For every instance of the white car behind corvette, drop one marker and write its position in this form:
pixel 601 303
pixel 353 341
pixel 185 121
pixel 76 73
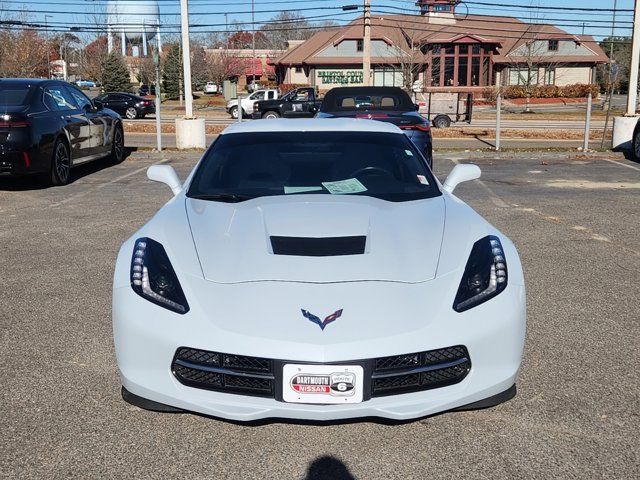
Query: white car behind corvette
pixel 316 269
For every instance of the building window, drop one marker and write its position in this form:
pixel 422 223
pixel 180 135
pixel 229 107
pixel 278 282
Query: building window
pixel 553 45
pixel 550 76
pixel 461 65
pixel 523 76
pixel 359 45
pixel 441 8
pixel 298 69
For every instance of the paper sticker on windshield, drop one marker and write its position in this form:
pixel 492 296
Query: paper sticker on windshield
pixel 423 180
pixel 300 189
pixel 351 185
pixel 409 152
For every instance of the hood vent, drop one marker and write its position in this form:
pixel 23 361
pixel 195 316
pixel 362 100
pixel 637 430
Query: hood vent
pixel 318 247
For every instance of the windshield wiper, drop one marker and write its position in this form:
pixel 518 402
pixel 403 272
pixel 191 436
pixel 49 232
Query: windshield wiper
pixel 223 197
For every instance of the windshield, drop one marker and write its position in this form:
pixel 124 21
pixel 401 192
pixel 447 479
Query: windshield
pixel 366 98
pixel 247 165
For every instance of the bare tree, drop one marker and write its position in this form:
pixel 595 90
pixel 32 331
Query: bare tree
pixel 222 65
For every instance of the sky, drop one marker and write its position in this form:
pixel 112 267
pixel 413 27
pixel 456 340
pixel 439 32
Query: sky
pixel 63 14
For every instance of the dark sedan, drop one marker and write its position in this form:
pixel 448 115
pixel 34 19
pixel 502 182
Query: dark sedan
pixel 387 104
pixel 49 126
pixel 127 104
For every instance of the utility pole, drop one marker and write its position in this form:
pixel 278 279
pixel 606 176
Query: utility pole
pixel 632 96
pixel 366 45
pixel 46 29
pixel 253 47
pixel 611 76
pixel 186 58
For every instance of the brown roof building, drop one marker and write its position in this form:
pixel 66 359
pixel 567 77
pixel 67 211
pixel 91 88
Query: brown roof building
pixel 439 50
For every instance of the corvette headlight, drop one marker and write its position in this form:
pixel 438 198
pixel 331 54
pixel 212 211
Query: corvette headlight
pixel 485 275
pixel 153 277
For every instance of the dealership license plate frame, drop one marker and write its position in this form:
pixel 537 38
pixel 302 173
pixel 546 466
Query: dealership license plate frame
pixel 318 393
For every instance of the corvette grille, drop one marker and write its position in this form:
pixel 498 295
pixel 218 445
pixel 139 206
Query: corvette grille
pixel 419 371
pixel 224 372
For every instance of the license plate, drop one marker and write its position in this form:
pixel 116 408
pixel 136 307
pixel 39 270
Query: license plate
pixel 329 384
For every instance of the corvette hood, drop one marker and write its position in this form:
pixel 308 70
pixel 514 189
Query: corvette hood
pixel 294 239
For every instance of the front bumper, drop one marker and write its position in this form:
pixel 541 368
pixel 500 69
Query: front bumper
pixel 147 337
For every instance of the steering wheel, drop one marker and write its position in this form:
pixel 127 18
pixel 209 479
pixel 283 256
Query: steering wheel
pixel 370 171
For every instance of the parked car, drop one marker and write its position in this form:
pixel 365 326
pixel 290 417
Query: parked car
pixel 49 126
pixel 211 87
pixel 298 103
pixel 331 276
pixel 635 142
pixel 247 102
pixel 85 83
pixel 145 90
pixel 127 104
pixel 385 104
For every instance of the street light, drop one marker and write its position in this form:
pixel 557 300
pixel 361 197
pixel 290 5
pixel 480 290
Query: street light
pixel 347 8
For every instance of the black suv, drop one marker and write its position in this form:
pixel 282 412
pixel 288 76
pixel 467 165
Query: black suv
pixel 127 104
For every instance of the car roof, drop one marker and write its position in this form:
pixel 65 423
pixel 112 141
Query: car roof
pixel 26 81
pixel 311 125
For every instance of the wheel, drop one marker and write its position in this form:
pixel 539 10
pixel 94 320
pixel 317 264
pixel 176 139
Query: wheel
pixel 442 121
pixel 117 146
pixel 131 113
pixel 234 112
pixel 60 164
pixel 636 142
pixel 271 115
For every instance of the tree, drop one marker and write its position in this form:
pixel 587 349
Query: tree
pixel 619 50
pixel 93 59
pixel 242 39
pixel 23 53
pixel 115 74
pixel 172 72
pixel 286 26
pixel 199 66
pixel 145 70
pixel 222 65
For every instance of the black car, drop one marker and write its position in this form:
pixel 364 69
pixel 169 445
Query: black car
pixel 49 126
pixel 386 104
pixel 127 104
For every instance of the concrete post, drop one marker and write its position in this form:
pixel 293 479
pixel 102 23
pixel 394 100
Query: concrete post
pixel 587 125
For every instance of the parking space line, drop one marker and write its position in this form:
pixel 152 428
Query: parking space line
pixel 621 164
pixel 102 185
pixel 497 201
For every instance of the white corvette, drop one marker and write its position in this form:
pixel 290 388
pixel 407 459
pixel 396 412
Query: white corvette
pixel 316 269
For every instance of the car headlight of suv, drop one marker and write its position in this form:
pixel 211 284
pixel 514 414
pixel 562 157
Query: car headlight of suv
pixel 153 277
pixel 485 274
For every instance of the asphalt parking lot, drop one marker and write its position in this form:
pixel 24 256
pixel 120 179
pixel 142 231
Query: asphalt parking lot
pixel 574 218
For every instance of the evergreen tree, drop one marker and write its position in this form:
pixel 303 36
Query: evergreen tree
pixel 115 74
pixel 172 73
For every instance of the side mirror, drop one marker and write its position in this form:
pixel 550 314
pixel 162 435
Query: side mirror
pixel 461 173
pixel 167 175
pixel 97 104
pixel 416 106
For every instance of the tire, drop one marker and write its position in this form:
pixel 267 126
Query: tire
pixel 117 146
pixel 635 143
pixel 60 164
pixel 234 112
pixel 131 113
pixel 442 121
pixel 270 115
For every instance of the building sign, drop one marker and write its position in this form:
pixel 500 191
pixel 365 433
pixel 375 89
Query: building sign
pixel 340 77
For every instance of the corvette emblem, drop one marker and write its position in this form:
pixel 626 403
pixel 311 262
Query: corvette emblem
pixel 322 323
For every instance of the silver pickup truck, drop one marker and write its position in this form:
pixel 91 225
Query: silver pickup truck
pixel 247 102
